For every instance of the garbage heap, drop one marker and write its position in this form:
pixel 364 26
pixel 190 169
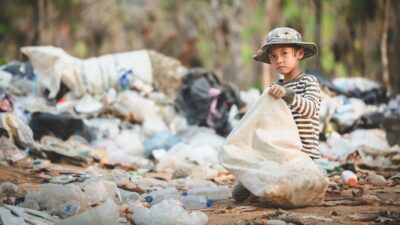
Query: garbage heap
pixel 120 138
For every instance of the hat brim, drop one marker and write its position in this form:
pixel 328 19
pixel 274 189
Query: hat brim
pixel 310 49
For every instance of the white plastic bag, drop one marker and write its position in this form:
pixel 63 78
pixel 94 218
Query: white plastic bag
pixel 264 153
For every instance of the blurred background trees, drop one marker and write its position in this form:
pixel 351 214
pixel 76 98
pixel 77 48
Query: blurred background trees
pixel 355 37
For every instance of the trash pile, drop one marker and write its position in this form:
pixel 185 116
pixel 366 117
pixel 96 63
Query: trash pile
pixel 133 138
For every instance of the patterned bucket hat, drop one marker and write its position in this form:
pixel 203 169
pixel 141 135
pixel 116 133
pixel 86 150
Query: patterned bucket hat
pixel 284 35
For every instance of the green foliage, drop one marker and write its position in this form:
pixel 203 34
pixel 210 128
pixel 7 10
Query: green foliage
pixel 291 11
pixel 247 48
pixel 328 26
pixel 204 49
pixel 2 61
pixel 258 84
pixel 327 60
pixel 340 70
pixel 80 49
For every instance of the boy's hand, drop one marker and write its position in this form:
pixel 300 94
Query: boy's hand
pixel 277 91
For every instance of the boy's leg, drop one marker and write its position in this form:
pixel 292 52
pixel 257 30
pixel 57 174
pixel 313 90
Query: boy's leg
pixel 241 194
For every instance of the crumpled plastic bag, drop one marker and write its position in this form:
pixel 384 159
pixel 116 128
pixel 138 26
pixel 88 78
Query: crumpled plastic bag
pixel 264 153
pixel 167 212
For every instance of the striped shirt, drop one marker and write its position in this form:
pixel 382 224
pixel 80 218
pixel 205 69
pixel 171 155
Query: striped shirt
pixel 303 98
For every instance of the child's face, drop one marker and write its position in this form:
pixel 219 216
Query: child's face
pixel 285 60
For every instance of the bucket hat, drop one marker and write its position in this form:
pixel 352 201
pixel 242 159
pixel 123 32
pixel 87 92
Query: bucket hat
pixel 284 35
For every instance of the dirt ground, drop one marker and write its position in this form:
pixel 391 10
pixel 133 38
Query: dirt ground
pixel 360 204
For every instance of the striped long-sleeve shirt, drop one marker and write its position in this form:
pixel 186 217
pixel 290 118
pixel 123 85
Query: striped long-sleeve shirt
pixel 303 98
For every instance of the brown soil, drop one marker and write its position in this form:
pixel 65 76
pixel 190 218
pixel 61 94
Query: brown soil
pixel 361 204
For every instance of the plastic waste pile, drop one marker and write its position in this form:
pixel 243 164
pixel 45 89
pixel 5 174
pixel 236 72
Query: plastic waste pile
pixel 120 138
pixel 117 110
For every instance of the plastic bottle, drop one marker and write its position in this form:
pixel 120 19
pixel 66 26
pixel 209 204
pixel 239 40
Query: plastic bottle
pixel 69 208
pixel 120 176
pixel 152 196
pixel 161 198
pixel 129 197
pixel 196 202
pixel 212 193
pixel 349 177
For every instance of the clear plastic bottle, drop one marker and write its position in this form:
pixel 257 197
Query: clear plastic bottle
pixel 152 196
pixel 212 193
pixel 129 197
pixel 161 198
pixel 349 177
pixel 120 176
pixel 68 209
pixel 195 202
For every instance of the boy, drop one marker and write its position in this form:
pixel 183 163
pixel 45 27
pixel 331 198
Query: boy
pixel 284 49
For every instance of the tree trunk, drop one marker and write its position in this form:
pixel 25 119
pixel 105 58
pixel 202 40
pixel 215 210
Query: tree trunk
pixel 317 34
pixel 394 46
pixel 235 67
pixel 272 18
pixel 384 46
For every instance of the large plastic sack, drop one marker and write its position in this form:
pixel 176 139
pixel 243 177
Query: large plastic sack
pixel 264 153
pixel 167 212
pixel 94 75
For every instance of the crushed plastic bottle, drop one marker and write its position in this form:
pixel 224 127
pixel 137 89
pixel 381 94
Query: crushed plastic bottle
pixel 169 212
pixel 349 177
pixel 152 196
pixel 8 189
pixel 161 198
pixel 129 197
pixel 195 202
pixel 68 209
pixel 212 193
pixel 120 176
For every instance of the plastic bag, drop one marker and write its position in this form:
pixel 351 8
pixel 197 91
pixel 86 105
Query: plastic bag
pixel 264 153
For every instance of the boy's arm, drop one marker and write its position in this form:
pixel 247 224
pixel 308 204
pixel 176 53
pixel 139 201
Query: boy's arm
pixel 308 105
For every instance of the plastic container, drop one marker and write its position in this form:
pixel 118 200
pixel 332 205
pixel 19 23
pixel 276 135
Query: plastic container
pixel 154 195
pixel 167 212
pixel 349 177
pixel 129 197
pixel 195 202
pixel 161 198
pixel 212 193
pixel 120 176
pixel 68 209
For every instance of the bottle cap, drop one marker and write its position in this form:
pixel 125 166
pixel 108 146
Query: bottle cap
pixel 352 181
pixel 209 203
pixel 149 199
pixel 185 193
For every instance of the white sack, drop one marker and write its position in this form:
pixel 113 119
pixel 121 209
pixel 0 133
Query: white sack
pixel 264 153
pixel 94 75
